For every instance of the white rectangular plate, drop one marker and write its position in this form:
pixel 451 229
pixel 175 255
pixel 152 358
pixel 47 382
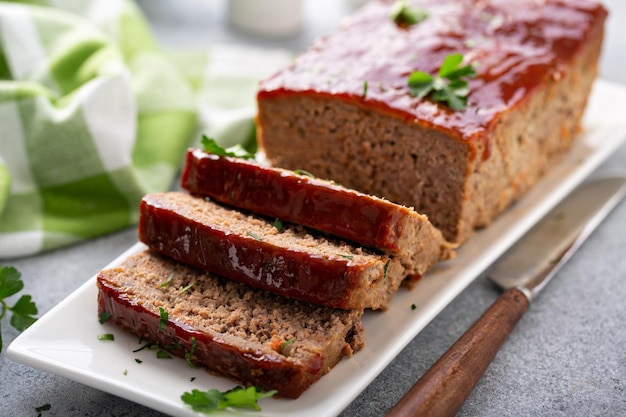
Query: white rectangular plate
pixel 65 342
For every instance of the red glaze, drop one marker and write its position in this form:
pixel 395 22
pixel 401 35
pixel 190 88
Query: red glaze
pixel 517 44
pixel 294 198
pixel 250 367
pixel 292 273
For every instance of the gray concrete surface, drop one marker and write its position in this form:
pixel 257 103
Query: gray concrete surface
pixel 567 356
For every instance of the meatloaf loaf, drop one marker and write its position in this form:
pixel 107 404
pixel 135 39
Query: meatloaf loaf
pixel 343 110
pixel 296 197
pixel 288 260
pixel 252 336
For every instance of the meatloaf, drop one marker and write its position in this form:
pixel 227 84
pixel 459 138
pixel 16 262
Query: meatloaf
pixel 288 260
pixel 343 110
pixel 296 197
pixel 252 336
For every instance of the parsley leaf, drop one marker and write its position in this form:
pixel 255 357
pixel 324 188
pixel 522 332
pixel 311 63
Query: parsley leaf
pixel 285 344
pixel 167 281
pixel 106 336
pixel 304 173
pixel 24 310
pixel 403 14
pixel 448 86
pixel 278 224
pixel 254 235
pixel 44 407
pixel 103 317
pixel 189 354
pixel 186 287
pixel 237 151
pixel 162 319
pixel 213 400
pixel 161 354
pixel 10 282
pixel 23 313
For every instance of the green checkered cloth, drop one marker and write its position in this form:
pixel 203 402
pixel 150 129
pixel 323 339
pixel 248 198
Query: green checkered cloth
pixel 93 115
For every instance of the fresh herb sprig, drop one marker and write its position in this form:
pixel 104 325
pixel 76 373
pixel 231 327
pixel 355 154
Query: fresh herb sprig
pixel 24 310
pixel 448 86
pixel 213 400
pixel 403 14
pixel 237 151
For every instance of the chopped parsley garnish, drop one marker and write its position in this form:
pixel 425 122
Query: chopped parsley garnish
pixel 213 400
pixel 161 354
pixel 386 268
pixel 285 344
pixel 254 235
pixel 163 319
pixel 345 256
pixel 125 372
pixel 186 287
pixel 103 317
pixel 237 151
pixel 147 345
pixel 278 224
pixel 365 86
pixel 448 86
pixel 45 407
pixel 106 336
pixel 413 306
pixel 24 310
pixel 167 281
pixel 303 172
pixel 403 14
pixel 193 378
pixel 138 360
pixel 188 354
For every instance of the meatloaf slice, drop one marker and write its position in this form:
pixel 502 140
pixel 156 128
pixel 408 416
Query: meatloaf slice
pixel 343 110
pixel 318 204
pixel 252 336
pixel 287 260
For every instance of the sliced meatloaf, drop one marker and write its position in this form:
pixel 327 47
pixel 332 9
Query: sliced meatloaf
pixel 252 336
pixel 288 259
pixel 343 110
pixel 296 197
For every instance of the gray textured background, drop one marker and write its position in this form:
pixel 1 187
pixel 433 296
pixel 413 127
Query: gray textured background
pixel 567 356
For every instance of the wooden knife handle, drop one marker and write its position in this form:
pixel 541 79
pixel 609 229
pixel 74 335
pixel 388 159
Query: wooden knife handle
pixel 443 389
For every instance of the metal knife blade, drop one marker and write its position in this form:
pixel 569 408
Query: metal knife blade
pixel 523 271
pixel 539 254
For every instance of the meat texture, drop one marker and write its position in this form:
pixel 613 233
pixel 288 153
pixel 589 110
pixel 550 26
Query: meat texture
pixel 252 336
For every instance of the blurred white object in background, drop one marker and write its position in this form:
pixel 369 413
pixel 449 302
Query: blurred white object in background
pixel 267 18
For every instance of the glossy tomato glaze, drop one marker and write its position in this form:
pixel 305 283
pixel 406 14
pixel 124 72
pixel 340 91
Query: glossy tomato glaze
pixel 265 371
pixel 292 273
pixel 516 44
pixel 295 198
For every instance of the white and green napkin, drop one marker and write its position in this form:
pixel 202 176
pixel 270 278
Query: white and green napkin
pixel 93 115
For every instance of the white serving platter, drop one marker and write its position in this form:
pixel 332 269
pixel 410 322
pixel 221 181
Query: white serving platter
pixel 64 341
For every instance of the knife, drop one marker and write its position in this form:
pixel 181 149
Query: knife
pixel 522 273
